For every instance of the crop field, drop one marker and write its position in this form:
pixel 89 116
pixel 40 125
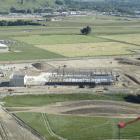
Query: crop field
pixel 78 45
pixel 58 39
pixel 89 49
pixel 128 38
pixel 110 36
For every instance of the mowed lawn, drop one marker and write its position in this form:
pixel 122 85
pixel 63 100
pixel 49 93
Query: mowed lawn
pixel 89 49
pixel 78 128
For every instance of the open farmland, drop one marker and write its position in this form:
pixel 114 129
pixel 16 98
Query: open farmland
pixel 22 51
pixel 78 45
pixel 62 37
pixel 110 36
pixel 58 39
pixel 89 49
pixel 127 38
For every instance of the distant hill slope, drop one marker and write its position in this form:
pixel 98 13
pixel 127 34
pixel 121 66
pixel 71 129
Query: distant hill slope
pixel 5 5
pixel 123 6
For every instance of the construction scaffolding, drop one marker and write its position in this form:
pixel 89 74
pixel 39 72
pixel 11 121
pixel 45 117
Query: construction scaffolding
pixel 81 77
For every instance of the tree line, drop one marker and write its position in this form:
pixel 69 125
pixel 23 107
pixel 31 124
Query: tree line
pixel 18 23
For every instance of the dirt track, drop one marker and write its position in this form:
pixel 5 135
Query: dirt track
pixel 87 108
pixel 11 130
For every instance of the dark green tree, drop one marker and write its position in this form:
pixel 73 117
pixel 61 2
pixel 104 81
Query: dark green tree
pixel 86 30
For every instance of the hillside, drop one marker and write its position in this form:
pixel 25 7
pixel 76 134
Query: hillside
pixel 6 5
pixel 38 6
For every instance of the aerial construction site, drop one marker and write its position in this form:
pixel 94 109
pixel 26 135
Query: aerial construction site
pixel 106 74
pixel 100 77
pixel 59 84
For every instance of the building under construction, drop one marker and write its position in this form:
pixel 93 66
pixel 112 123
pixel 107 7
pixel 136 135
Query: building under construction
pixel 81 77
pixel 65 77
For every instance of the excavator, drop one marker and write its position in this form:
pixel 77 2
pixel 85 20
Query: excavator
pixel 122 125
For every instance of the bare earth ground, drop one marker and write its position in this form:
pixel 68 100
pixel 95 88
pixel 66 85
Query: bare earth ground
pixel 87 63
pixel 86 108
pixel 125 83
pixel 11 130
pixel 106 64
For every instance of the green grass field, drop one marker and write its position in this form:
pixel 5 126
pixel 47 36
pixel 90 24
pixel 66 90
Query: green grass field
pixel 78 45
pixel 22 51
pixel 110 36
pixel 79 128
pixel 41 100
pixel 69 126
pixel 58 39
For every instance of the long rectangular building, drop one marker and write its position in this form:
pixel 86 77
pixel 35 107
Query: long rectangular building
pixel 81 78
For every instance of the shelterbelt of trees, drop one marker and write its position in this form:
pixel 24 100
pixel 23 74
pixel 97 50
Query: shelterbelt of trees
pixel 18 23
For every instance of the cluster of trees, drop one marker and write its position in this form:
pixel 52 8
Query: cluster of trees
pixel 17 23
pixel 25 11
pixel 86 30
pixel 30 11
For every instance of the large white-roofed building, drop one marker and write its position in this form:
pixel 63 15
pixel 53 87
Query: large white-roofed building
pixel 3 48
pixel 39 80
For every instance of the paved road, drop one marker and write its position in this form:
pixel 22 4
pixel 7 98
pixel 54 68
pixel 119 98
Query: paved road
pixel 11 130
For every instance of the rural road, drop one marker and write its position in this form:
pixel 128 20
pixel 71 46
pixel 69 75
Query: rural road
pixel 66 59
pixel 11 130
